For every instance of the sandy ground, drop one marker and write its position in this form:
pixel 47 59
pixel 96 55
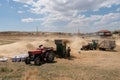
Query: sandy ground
pixel 84 65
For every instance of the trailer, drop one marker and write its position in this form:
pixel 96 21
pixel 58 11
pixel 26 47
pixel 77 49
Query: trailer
pixel 107 45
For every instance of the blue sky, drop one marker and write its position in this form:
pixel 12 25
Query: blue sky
pixel 59 15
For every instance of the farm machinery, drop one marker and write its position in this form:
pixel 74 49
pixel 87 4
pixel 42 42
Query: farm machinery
pixel 47 54
pixel 90 46
pixel 61 48
pixel 40 56
pixel 107 45
pixel 101 45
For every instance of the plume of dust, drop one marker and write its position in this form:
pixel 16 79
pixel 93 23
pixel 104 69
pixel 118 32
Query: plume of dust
pixel 118 42
pixel 76 43
pixel 31 75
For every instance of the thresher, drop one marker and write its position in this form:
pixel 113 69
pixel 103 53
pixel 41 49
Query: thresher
pixel 61 47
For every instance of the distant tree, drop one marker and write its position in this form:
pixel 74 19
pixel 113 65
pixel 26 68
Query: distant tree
pixel 115 32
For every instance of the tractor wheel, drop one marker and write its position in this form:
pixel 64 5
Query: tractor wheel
pixel 81 48
pixel 37 61
pixel 103 49
pixel 91 48
pixel 95 48
pixel 27 60
pixel 112 48
pixel 50 56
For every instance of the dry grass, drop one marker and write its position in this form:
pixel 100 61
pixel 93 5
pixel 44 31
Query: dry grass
pixel 88 65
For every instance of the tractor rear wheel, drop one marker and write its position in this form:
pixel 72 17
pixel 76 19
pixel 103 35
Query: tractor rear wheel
pixel 37 61
pixel 27 60
pixel 50 56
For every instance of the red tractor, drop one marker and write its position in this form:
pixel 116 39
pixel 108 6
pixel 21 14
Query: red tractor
pixel 40 56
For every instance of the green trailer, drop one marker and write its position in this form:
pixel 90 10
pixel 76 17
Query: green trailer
pixel 61 48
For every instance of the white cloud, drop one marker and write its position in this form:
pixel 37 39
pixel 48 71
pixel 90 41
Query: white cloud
pixel 109 3
pixel 20 12
pixel 30 20
pixel 109 18
pixel 25 5
pixel 94 22
pixel 98 20
pixel 66 7
pixel 69 11
pixel 25 1
pixel 115 25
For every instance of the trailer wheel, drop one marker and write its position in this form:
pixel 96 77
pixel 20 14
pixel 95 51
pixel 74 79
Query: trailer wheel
pixel 111 48
pixel 37 61
pixel 95 48
pixel 103 49
pixel 27 60
pixel 50 56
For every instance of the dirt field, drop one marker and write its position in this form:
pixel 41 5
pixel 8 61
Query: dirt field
pixel 83 65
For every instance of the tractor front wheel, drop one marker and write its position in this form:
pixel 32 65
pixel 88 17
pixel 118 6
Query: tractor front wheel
pixel 27 60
